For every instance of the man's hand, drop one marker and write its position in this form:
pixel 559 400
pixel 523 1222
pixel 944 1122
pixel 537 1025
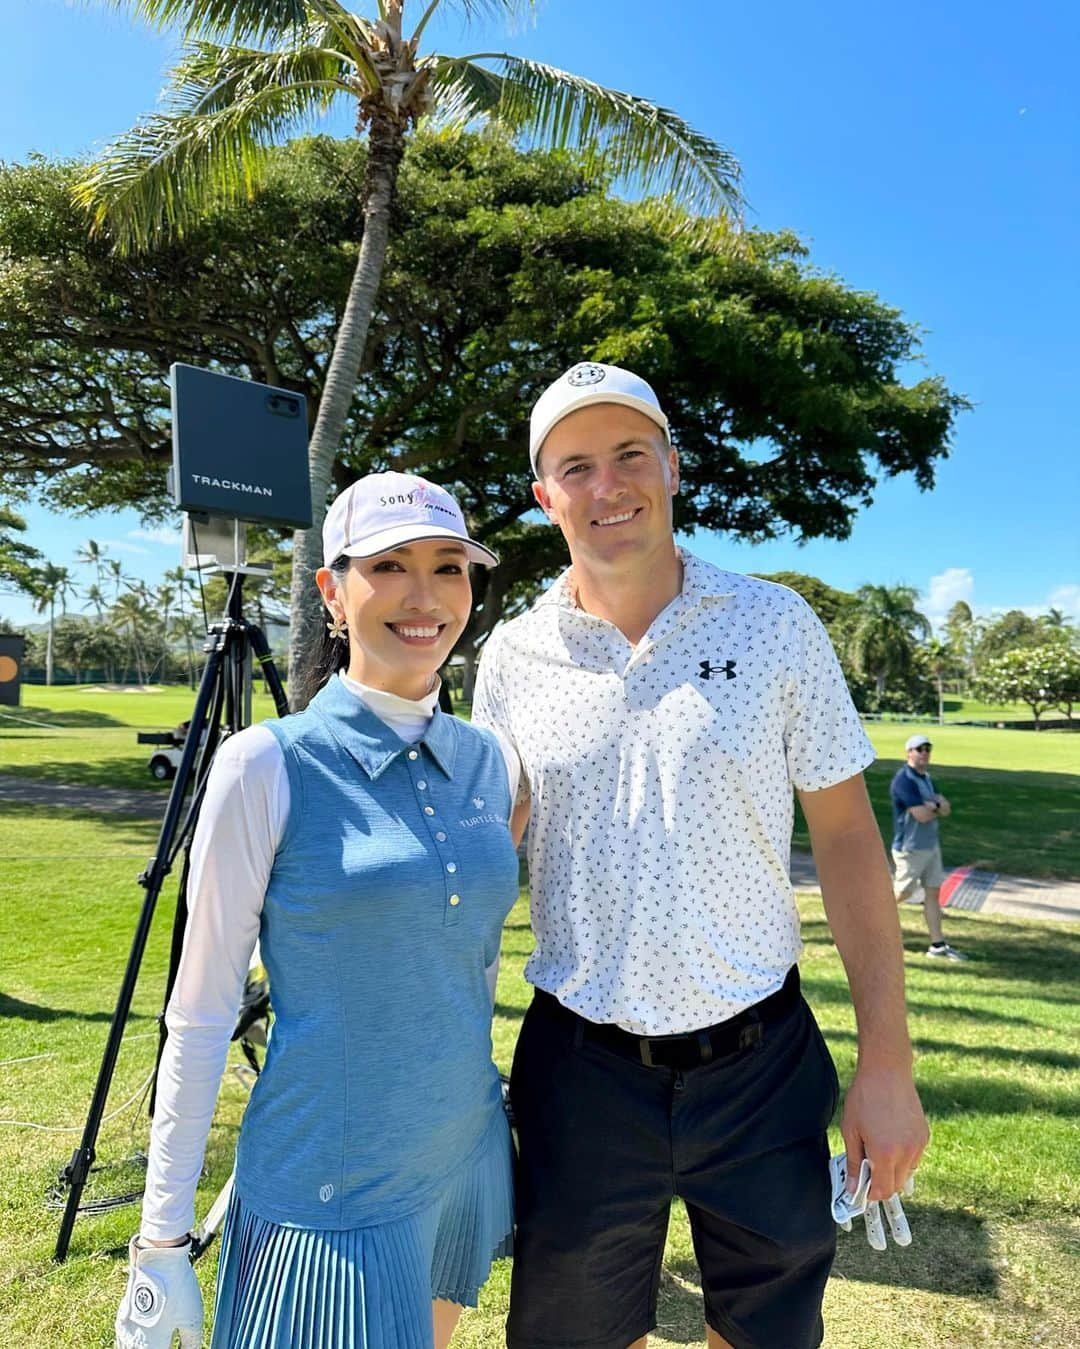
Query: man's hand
pixel 884 1124
pixel 162 1298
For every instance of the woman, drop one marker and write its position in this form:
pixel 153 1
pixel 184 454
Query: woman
pixel 363 841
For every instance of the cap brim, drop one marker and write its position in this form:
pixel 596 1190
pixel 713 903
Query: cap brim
pixel 403 534
pixel 588 400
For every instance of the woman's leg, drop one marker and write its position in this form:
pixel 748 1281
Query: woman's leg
pixel 445 1316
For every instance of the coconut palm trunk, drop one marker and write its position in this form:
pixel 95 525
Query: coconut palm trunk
pixel 386 145
pixel 229 99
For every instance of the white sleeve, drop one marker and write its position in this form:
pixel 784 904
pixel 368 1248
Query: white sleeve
pixel 513 763
pixel 488 710
pixel 241 823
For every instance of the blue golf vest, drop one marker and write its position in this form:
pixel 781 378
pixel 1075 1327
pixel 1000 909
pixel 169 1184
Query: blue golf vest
pixel 384 907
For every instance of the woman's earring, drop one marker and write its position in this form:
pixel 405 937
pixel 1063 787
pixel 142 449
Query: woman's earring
pixel 336 628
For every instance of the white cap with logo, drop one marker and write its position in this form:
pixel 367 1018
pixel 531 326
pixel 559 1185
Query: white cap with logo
pixel 585 383
pixel 386 510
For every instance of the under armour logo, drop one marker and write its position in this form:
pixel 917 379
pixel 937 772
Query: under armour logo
pixel 727 669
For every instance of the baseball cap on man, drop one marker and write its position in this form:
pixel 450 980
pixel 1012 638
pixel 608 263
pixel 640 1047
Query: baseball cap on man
pixel 386 510
pixel 916 741
pixel 585 383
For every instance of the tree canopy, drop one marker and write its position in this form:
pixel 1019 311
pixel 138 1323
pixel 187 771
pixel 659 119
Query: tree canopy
pixel 783 385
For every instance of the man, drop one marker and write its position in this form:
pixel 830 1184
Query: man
pixel 917 807
pixel 662 710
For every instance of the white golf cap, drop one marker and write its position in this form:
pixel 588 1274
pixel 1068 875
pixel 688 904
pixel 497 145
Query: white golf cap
pixel 916 741
pixel 386 510
pixel 585 383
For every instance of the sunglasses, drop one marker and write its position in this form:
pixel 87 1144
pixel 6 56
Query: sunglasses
pixel 919 749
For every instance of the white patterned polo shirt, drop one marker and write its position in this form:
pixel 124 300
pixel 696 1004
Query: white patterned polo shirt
pixel 661 778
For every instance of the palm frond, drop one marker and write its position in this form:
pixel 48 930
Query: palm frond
pixel 513 11
pixel 227 107
pixel 209 78
pixel 641 142
pixel 239 19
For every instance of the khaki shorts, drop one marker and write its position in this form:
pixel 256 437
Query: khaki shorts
pixel 921 866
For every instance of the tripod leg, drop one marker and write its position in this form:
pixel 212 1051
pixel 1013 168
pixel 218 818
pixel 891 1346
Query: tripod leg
pixel 261 647
pixel 75 1174
pixel 210 1225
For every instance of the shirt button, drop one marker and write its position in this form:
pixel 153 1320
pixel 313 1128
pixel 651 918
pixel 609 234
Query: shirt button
pixel 413 754
pixel 421 786
pixel 455 900
pixel 429 810
pixel 441 836
pixel 451 867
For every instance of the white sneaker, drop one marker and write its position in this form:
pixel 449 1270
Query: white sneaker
pixel 941 950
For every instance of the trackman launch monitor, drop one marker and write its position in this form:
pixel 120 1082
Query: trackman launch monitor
pixel 239 449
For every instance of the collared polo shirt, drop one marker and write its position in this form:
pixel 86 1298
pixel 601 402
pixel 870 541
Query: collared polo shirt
pixel 909 788
pixel 661 780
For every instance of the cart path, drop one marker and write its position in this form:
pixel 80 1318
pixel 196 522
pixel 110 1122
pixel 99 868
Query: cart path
pixel 984 892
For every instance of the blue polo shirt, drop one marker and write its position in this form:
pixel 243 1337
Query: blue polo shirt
pixel 383 909
pixel 912 788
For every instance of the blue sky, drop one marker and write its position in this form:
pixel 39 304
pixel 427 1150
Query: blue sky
pixel 930 154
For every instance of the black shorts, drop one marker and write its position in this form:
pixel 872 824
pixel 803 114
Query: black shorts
pixel 606 1142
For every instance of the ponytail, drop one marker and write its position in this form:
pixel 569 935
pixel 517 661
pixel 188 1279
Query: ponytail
pixel 330 655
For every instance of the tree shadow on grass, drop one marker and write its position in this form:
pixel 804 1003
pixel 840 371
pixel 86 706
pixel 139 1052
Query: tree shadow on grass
pixel 34 1011
pixel 74 717
pixel 1040 1058
pixel 680 1309
pixel 950 1254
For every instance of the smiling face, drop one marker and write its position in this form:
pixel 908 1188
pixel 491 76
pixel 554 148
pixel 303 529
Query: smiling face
pixel 607 476
pixel 404 610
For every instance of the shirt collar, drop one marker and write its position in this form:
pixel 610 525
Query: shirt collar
pixel 701 581
pixel 370 741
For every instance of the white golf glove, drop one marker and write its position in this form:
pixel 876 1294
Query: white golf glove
pixel 847 1206
pixel 162 1297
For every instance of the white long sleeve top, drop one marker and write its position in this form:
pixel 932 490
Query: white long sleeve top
pixel 243 817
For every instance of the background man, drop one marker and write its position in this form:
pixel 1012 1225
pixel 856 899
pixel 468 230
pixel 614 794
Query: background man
pixel 662 710
pixel 917 807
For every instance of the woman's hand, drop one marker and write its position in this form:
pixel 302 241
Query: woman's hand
pixel 162 1298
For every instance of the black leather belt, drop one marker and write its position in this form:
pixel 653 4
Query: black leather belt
pixel 692 1049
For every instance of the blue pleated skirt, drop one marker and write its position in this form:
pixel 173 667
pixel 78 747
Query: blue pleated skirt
pixel 372 1287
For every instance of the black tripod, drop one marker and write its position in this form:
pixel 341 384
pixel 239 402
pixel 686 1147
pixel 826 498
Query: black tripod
pixel 219 710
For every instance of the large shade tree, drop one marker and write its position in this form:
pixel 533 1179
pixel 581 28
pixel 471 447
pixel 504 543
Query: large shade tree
pixel 783 385
pixel 255 70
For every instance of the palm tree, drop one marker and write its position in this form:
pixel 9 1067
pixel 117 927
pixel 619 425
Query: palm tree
pixel 93 555
pixel 95 597
pixel 52 583
pixel 254 70
pixel 116 575
pixel 130 615
pixel 883 637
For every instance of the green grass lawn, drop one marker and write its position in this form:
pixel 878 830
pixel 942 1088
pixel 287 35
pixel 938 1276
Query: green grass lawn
pixel 996 1217
pixel 75 735
pixel 1016 794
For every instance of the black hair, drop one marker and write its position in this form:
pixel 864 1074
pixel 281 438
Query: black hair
pixel 330 655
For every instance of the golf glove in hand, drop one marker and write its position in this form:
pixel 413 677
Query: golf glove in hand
pixel 847 1206
pixel 162 1298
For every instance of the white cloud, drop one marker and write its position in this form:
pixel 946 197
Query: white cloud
pixel 1066 598
pixel 159 534
pixel 945 590
pixel 109 545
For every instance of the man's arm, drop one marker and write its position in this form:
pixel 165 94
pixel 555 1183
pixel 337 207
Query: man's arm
pixel 882 1119
pixel 924 814
pixel 943 807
